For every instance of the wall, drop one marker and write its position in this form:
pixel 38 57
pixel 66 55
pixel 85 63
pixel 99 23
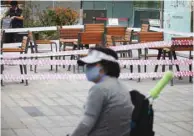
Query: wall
pixel 177 16
pixel 117 9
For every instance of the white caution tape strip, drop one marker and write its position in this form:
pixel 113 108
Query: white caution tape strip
pixel 77 52
pixel 42 62
pixel 10 77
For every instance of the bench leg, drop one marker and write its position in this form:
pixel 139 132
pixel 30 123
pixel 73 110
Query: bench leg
pixel 35 67
pixel 131 69
pixel 25 72
pixel 145 57
pixel 158 58
pixel 21 71
pixel 190 68
pixel 57 58
pixel 51 65
pixel 190 77
pixel 164 57
pixel 177 66
pixel 139 66
pixel 171 66
pixel 2 68
pixel 31 65
pixel 69 68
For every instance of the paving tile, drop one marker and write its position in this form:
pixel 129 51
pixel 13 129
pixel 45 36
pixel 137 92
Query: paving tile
pixel 47 111
pixel 60 111
pixel 49 101
pixel 31 122
pixel 26 95
pixel 38 94
pixel 165 117
pixel 179 116
pixel 62 101
pixel 33 111
pixel 22 102
pixel 60 121
pixel 35 102
pixel 74 110
pixel 73 120
pixel 50 94
pixel 163 131
pixel 185 125
pixel 8 101
pixel 178 130
pixel 45 122
pixel 23 132
pixel 15 95
pixel 4 124
pixel 61 131
pixel 40 132
pixel 11 119
pixel 7 132
pixel 19 112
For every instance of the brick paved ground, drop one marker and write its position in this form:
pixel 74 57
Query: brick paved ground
pixel 53 108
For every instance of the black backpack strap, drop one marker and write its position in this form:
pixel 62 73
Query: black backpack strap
pixel 137 100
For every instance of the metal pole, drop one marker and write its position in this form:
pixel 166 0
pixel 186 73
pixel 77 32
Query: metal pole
pixel 112 8
pixel 53 4
pixel 192 15
pixel 162 14
pixel 81 12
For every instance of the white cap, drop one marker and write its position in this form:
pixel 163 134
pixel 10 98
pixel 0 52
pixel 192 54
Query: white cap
pixel 95 56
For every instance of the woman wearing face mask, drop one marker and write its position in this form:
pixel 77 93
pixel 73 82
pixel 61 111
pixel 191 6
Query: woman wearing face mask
pixel 108 108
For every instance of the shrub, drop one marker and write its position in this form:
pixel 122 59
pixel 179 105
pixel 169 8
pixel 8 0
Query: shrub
pixel 57 16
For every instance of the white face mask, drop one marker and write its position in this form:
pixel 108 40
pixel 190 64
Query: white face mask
pixel 93 73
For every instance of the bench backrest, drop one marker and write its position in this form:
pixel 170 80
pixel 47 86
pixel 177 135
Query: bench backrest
pixel 145 28
pixel 110 40
pixel 94 28
pixel 69 33
pixel 128 35
pixel 91 38
pixel 116 31
pixel 24 45
pixel 150 36
pixel 2 37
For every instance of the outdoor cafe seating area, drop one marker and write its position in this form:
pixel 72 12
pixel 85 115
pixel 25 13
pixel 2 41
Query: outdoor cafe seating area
pixel 91 35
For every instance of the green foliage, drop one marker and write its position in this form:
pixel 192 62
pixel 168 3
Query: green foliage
pixel 57 16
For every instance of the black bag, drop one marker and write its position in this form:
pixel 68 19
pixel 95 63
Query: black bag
pixel 142 116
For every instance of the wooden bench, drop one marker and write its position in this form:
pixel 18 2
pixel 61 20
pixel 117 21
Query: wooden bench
pixel 90 38
pixel 116 31
pixel 144 37
pixel 94 28
pixel 179 44
pixel 34 44
pixel 22 49
pixel 68 36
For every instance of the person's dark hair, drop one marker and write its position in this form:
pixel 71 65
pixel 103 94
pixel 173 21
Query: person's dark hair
pixel 13 3
pixel 111 69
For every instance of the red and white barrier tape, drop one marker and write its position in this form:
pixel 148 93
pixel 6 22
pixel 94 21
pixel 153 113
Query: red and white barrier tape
pixel 10 77
pixel 76 52
pixel 74 62
pixel 182 42
pixel 116 48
